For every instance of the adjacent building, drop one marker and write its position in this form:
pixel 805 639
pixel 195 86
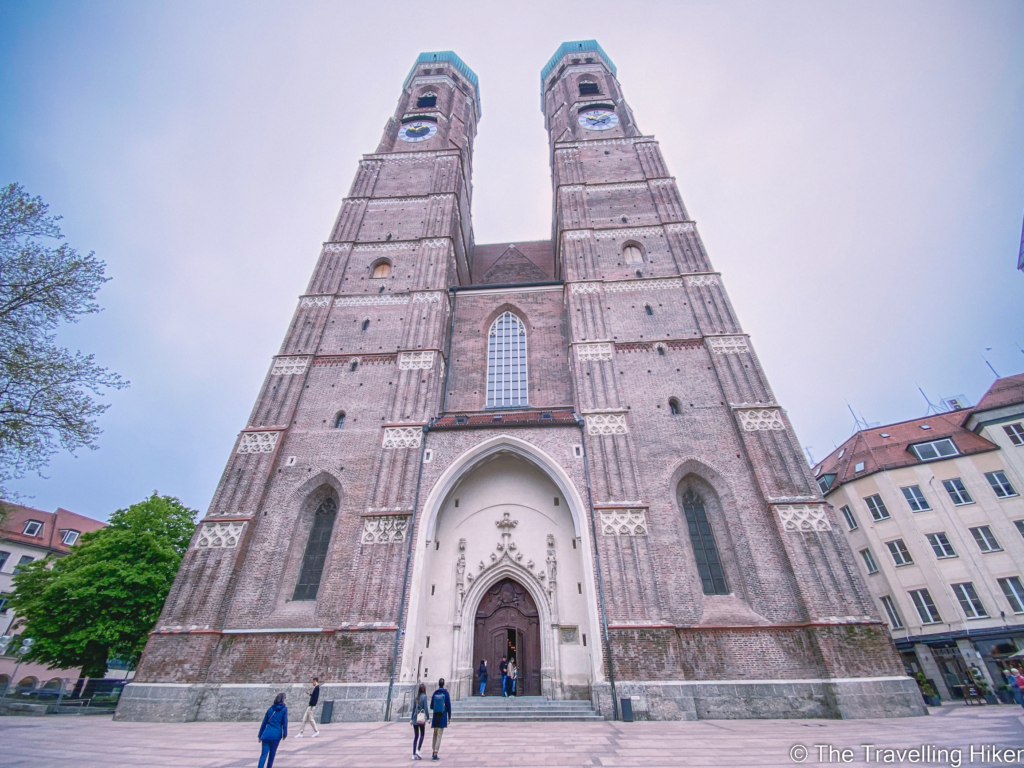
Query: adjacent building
pixel 933 511
pixel 26 535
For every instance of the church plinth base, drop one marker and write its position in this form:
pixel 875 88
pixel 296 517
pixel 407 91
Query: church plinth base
pixel 767 699
pixel 188 702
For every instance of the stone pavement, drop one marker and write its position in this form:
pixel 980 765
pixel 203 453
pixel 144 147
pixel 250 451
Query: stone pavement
pixel 98 742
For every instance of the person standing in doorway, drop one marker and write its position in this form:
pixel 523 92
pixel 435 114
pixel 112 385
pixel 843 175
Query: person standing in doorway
pixel 504 676
pixel 273 730
pixel 482 672
pixel 419 721
pixel 310 715
pixel 441 703
pixel 513 673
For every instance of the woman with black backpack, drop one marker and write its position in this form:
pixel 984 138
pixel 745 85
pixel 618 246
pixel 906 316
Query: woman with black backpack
pixel 273 729
pixel 419 721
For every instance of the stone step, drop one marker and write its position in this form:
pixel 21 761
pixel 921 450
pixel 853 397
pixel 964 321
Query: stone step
pixel 522 709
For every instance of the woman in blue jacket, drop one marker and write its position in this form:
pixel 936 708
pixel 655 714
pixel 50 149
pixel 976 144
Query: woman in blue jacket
pixel 273 729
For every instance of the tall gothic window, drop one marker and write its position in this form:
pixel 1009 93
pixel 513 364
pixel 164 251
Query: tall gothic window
pixel 506 362
pixel 705 551
pixel 316 550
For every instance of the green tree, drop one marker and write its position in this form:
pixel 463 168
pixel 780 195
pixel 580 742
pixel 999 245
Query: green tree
pixel 103 599
pixel 46 392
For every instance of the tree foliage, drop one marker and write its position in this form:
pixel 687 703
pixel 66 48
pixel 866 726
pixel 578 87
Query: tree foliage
pixel 46 391
pixel 102 600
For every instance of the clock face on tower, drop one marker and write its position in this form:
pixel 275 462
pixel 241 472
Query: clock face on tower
pixel 418 130
pixel 598 119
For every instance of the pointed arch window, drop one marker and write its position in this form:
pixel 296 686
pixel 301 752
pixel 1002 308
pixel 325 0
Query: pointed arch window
pixel 506 363
pixel 632 254
pixel 383 269
pixel 673 407
pixel 705 551
pixel 316 550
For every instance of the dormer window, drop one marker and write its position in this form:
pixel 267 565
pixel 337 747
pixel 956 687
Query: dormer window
pixel 426 100
pixel 937 449
pixel 69 537
pixel 588 87
pixel 32 528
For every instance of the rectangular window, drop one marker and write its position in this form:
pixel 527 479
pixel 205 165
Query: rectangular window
pixel 1015 433
pixel 1014 592
pixel 987 541
pixel 1000 484
pixel 69 537
pixel 925 606
pixel 851 521
pixel 5 555
pixel 900 553
pixel 890 609
pixel 25 560
pixel 940 545
pixel 869 561
pixel 916 499
pixel 3 603
pixel 969 601
pixel 32 528
pixel 957 491
pixel 936 449
pixel 1020 526
pixel 877 507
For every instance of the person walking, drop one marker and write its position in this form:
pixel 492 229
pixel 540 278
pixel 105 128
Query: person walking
pixel 419 721
pixel 513 673
pixel 310 714
pixel 504 676
pixel 482 672
pixel 273 729
pixel 1011 680
pixel 441 703
pixel 1020 685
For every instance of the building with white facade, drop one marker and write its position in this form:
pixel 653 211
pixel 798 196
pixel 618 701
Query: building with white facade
pixel 933 511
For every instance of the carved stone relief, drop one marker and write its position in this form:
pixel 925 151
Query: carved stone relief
pixel 257 442
pixel 402 437
pixel 803 517
pixel 623 522
pixel 384 530
pixel 606 424
pixel 219 535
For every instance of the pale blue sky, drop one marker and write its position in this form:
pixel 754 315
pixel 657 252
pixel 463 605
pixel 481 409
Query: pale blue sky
pixel 856 171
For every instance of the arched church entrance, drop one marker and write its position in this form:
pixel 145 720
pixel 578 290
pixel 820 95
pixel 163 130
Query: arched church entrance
pixel 508 624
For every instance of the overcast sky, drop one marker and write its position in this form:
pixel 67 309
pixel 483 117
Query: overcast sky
pixel 856 171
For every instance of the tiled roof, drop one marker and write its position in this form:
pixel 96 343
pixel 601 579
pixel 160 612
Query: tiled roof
pixel 878 452
pixel 539 253
pixel 53 523
pixel 505 419
pixel 1008 390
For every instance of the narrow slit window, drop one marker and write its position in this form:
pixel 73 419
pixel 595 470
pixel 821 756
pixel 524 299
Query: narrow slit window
pixel 673 406
pixel 316 550
pixel 339 421
pixel 506 363
pixel 648 309
pixel 366 324
pixel 705 550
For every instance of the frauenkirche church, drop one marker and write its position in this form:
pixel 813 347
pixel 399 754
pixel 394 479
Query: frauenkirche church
pixel 564 451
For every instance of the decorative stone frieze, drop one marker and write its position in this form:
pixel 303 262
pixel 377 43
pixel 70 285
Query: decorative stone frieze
pixel 408 361
pixel 701 281
pixel 219 535
pixel 406 245
pixel 315 301
pixel 376 300
pixel 662 182
pixel 643 285
pixel 729 345
pixel 431 297
pixel 803 517
pixel 573 188
pixel 389 529
pixel 405 200
pixel 257 442
pixel 623 522
pixel 760 419
pixel 402 437
pixel 619 187
pixel 606 424
pixel 686 226
pixel 336 247
pixel 599 351
pixel 615 234
pixel 578 288
pixel 577 234
pixel 289 366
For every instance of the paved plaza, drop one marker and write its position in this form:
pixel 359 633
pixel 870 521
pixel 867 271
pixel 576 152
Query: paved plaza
pixel 98 742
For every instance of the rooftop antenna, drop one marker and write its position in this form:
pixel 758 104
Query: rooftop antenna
pixel 859 422
pixel 932 407
pixel 989 349
pixel 810 458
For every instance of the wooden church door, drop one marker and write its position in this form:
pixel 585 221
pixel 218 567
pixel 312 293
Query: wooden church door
pixel 507 624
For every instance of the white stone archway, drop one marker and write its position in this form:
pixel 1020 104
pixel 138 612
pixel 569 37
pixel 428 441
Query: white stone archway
pixel 450 576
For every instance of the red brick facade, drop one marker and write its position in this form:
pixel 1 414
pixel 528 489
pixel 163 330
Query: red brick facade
pixel 635 350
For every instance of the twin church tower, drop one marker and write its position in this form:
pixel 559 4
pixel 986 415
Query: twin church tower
pixel 564 451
